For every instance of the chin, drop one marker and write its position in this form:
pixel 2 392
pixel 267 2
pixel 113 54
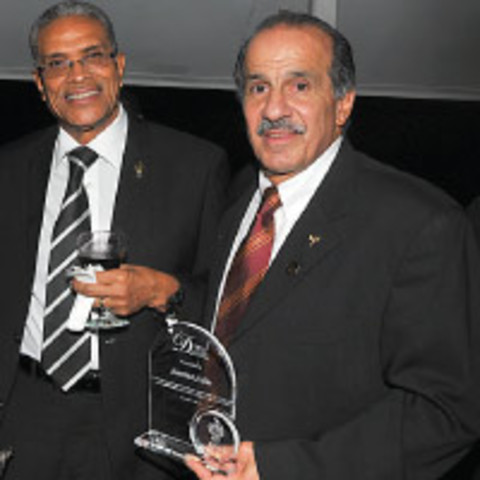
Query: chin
pixel 278 168
pixel 89 124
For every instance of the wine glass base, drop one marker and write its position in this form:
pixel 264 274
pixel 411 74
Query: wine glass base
pixel 106 320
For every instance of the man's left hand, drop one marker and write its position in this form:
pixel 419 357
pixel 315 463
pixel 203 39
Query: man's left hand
pixel 130 288
pixel 243 467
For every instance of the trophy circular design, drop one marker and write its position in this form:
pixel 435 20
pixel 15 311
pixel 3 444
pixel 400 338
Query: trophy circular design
pixel 212 428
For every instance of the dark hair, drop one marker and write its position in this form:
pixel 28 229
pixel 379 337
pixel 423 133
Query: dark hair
pixel 68 9
pixel 342 71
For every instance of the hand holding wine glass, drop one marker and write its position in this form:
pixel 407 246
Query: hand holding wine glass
pixel 105 249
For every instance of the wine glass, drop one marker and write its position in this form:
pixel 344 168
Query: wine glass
pixel 108 250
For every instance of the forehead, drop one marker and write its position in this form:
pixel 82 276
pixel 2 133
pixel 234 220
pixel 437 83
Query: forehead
pixel 289 47
pixel 71 33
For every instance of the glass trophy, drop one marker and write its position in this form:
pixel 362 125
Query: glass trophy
pixel 192 395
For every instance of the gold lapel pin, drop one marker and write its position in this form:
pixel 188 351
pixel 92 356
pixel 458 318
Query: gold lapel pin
pixel 139 168
pixel 313 239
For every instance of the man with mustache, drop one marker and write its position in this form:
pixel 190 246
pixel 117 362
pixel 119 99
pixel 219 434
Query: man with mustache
pixel 345 291
pixel 77 416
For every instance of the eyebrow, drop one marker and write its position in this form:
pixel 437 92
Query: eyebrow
pixel 300 74
pixel 90 48
pixel 255 76
pixel 293 74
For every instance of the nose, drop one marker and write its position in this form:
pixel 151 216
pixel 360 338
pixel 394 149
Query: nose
pixel 276 105
pixel 77 69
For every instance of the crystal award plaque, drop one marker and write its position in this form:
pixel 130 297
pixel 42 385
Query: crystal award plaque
pixel 192 394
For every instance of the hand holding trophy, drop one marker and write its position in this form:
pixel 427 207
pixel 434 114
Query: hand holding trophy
pixel 192 397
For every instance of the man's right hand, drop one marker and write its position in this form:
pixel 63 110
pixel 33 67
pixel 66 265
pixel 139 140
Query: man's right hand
pixel 128 289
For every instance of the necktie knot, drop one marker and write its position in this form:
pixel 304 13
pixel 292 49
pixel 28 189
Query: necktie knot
pixel 270 202
pixel 85 155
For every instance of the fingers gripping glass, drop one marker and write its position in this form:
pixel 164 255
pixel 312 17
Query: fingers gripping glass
pixel 91 61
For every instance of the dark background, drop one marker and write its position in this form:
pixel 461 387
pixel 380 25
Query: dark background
pixel 434 139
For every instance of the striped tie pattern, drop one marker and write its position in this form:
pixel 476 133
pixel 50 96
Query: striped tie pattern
pixel 248 267
pixel 65 355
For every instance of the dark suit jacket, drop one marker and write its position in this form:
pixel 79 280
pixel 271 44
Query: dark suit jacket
pixel 474 215
pixel 357 357
pixel 169 216
pixel 469 468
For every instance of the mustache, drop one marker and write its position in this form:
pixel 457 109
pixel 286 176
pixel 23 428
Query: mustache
pixel 281 124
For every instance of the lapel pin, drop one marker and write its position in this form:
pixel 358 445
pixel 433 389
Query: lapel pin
pixel 139 168
pixel 293 268
pixel 313 240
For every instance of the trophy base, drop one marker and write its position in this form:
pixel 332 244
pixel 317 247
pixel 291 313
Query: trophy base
pixel 163 444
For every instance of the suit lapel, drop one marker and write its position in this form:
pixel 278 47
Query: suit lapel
pixel 131 212
pixel 38 165
pixel 318 231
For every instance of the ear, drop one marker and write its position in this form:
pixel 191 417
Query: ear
pixel 344 107
pixel 120 60
pixel 37 78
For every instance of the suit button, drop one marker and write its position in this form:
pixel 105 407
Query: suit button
pixel 293 268
pixel 110 341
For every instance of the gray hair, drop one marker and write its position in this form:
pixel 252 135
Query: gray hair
pixel 67 9
pixel 342 71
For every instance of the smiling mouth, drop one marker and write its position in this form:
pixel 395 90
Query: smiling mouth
pixel 82 95
pixel 279 133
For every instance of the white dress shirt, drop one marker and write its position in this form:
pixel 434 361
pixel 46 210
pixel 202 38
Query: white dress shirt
pixel 295 194
pixel 100 182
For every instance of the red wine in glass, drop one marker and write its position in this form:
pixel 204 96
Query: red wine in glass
pixel 107 261
pixel 106 249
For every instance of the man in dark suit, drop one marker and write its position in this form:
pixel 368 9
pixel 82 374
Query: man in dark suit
pixel 160 187
pixel 357 353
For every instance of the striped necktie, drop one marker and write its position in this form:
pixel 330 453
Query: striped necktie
pixel 248 267
pixel 66 356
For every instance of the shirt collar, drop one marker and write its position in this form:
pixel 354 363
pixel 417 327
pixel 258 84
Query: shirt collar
pixel 109 144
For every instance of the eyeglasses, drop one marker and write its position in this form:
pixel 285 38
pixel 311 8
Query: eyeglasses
pixel 91 61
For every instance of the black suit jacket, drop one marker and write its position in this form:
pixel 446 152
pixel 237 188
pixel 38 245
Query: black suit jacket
pixel 357 357
pixel 169 214
pixel 474 215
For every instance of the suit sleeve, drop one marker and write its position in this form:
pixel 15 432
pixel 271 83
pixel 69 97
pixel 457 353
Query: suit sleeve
pixel 430 412
pixel 214 202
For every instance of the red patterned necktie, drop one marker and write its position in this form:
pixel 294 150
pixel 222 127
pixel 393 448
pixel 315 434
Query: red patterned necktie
pixel 248 267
